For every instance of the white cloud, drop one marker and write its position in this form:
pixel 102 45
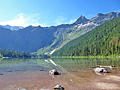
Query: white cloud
pixel 60 20
pixel 72 21
pixel 34 19
pixel 63 20
pixel 23 20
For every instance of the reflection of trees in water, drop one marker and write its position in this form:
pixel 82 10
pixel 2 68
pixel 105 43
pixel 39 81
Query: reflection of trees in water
pixel 41 62
pixel 27 62
pixel 71 64
pixel 12 61
pixel 10 65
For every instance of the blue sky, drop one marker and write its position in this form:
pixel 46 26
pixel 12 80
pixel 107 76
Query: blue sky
pixel 52 12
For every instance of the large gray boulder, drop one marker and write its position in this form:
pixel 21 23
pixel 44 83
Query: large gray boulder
pixel 99 69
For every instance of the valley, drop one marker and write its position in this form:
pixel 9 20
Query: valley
pixel 41 40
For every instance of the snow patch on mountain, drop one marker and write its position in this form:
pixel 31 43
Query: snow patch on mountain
pixel 79 26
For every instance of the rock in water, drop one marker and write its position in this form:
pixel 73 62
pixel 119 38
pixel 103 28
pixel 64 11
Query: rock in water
pixel 112 67
pixel 58 87
pixel 54 72
pixel 98 70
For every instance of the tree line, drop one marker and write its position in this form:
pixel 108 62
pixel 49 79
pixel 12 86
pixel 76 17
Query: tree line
pixel 14 54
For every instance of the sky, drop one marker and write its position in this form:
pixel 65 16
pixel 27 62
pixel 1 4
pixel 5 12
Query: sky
pixel 52 12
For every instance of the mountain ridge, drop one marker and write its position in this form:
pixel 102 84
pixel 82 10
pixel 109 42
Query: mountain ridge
pixel 12 27
pixel 46 39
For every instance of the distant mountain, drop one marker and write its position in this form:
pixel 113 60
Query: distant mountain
pixel 12 27
pixel 48 39
pixel 102 18
pixel 29 39
pixel 102 40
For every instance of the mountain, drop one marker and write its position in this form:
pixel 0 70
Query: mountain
pixel 29 39
pixel 46 40
pixel 68 32
pixel 102 18
pixel 81 20
pixel 12 27
pixel 102 40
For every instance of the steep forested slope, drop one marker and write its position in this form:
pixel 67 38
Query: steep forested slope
pixel 103 40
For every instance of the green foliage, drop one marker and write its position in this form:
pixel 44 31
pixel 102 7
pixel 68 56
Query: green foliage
pixel 1 55
pixel 43 56
pixel 103 40
pixel 14 54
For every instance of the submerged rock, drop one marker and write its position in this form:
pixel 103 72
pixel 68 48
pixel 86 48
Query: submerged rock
pixel 1 74
pixel 98 70
pixel 9 71
pixel 22 89
pixel 41 70
pixel 58 87
pixel 54 72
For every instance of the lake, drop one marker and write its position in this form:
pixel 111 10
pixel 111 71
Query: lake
pixel 77 74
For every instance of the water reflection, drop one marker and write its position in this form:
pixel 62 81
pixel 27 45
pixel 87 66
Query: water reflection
pixel 21 65
pixel 84 64
pixel 31 73
pixel 15 65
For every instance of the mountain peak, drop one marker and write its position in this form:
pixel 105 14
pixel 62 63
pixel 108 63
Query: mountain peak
pixel 81 20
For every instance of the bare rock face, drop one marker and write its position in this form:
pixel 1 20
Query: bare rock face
pixel 81 20
pixel 54 72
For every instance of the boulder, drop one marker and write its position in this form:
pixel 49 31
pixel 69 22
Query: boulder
pixel 98 70
pixel 112 67
pixel 54 72
pixel 58 87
